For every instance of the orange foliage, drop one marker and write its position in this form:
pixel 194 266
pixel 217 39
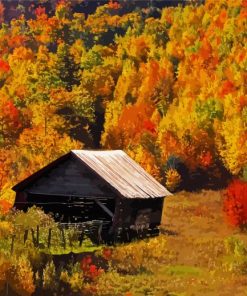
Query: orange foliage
pixel 168 85
pixel 5 206
pixel 114 5
pixel 134 120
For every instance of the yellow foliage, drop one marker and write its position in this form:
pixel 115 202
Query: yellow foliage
pixel 173 179
pixel 146 160
pixel 20 277
pixel 6 229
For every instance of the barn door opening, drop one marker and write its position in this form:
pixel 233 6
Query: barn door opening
pixel 104 209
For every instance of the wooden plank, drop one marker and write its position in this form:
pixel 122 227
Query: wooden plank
pixel 104 208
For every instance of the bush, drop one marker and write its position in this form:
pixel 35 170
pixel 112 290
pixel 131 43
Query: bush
pixel 21 278
pixel 141 255
pixel 73 277
pixel 235 203
pixel 235 259
pixel 173 179
pixel 49 276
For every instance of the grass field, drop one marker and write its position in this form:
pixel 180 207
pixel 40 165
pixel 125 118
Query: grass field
pixel 196 254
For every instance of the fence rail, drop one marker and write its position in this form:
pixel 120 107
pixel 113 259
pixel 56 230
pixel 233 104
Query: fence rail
pixel 68 232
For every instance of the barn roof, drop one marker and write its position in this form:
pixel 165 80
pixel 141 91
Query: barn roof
pixel 122 173
pixel 115 167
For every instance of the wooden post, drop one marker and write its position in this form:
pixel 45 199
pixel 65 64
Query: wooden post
pixel 25 235
pixel 70 237
pixel 49 238
pixel 12 243
pixel 63 237
pixel 99 239
pixel 81 237
pixel 127 234
pixel 33 237
pixel 37 235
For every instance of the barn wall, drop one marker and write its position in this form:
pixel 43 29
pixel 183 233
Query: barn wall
pixel 74 210
pixel 70 178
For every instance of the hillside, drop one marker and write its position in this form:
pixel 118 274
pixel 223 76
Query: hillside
pixel 165 84
pixel 197 254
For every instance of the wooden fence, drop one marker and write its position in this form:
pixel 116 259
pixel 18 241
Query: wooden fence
pixel 77 232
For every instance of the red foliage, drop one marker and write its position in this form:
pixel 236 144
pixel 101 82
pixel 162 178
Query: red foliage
pixel 12 113
pixel 227 87
pixel 242 103
pixel 107 253
pixel 114 5
pixel 244 3
pixel 40 11
pixel 90 271
pixel 235 203
pixel 4 66
pixel 206 159
pixel 149 126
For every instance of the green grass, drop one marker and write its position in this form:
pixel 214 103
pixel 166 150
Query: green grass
pixel 87 247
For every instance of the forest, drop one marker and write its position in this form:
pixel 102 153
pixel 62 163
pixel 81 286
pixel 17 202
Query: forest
pixel 167 84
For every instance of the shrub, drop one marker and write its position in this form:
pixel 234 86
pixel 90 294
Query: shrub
pixel 173 179
pixel 141 255
pixel 49 276
pixel 21 278
pixel 235 203
pixel 5 206
pixel 235 259
pixel 90 270
pixel 73 277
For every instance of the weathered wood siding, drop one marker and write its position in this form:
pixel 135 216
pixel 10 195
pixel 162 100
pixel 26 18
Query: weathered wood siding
pixel 70 178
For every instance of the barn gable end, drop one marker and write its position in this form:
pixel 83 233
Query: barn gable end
pixel 70 178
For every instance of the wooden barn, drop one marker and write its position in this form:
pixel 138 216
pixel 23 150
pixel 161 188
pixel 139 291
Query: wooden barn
pixel 86 185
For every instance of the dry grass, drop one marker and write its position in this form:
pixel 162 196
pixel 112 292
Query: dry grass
pixel 192 258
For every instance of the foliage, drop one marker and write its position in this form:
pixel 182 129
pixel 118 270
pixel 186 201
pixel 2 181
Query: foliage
pixel 139 256
pixel 90 270
pixel 173 179
pixel 20 277
pixel 73 276
pixel 235 259
pixel 235 203
pixel 158 86
pixel 49 276
pixel 155 85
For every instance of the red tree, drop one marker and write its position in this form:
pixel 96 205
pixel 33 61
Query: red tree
pixel 235 203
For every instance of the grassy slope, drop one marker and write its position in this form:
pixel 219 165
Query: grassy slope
pixel 201 230
pixel 193 261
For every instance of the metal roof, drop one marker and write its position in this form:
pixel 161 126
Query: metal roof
pixel 122 173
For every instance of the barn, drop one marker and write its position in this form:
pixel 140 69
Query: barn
pixel 89 185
